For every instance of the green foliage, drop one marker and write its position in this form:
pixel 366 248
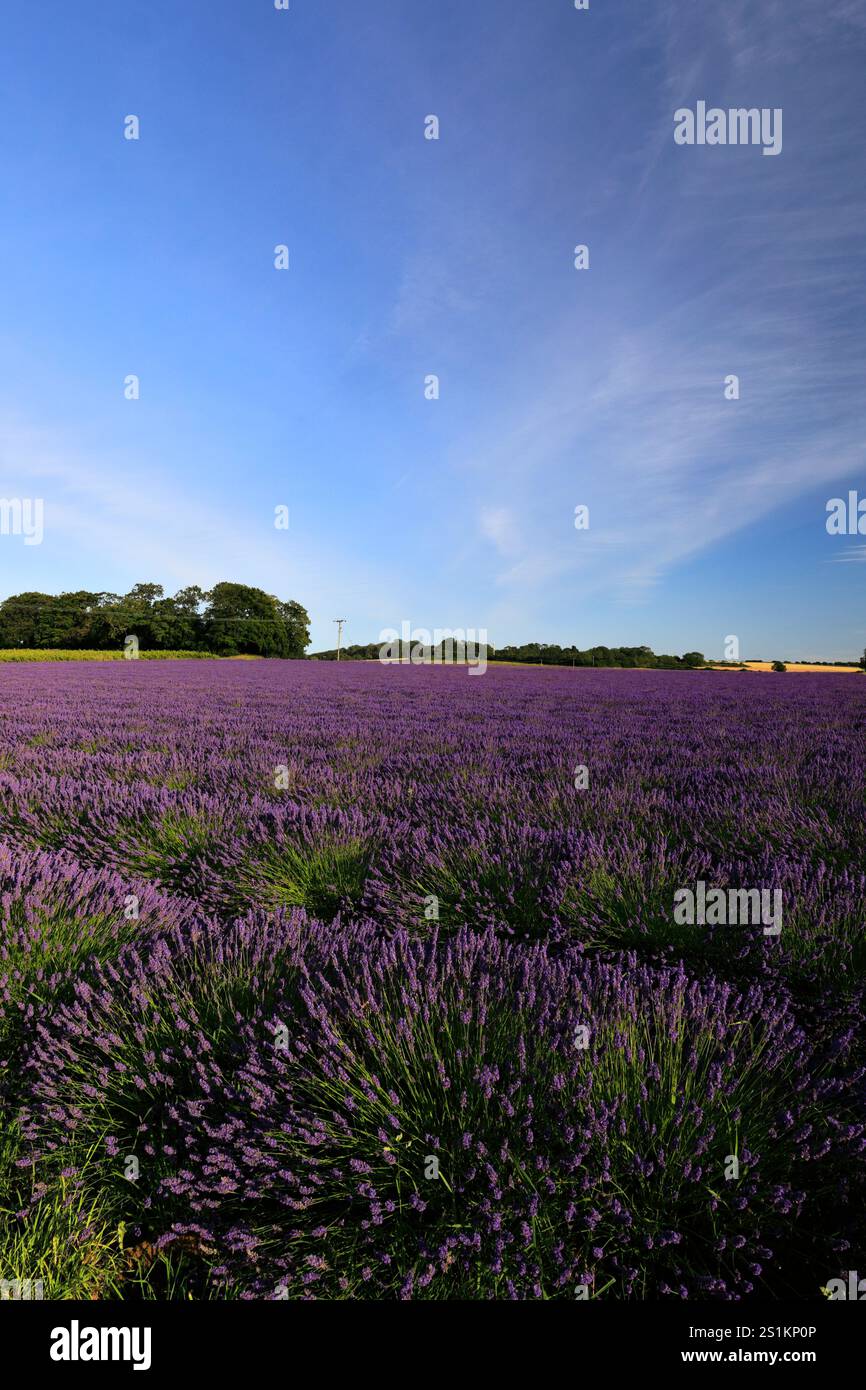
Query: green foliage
pixel 323 878
pixel 232 619
pixel 543 654
pixel 240 619
pixel 779 666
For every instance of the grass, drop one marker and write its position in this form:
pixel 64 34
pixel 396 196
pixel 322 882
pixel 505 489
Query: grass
pixel 63 1238
pixel 323 878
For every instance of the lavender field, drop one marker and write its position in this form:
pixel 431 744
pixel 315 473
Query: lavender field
pixel 363 982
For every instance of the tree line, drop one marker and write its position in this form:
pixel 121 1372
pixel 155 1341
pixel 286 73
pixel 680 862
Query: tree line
pixel 547 654
pixel 543 654
pixel 228 620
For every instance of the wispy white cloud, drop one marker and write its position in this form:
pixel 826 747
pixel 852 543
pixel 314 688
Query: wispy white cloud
pixel 854 554
pixel 743 271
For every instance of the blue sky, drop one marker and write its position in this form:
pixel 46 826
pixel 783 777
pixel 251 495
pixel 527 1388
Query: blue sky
pixel 411 257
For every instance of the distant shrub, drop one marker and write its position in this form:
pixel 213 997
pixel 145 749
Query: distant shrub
pixel 779 666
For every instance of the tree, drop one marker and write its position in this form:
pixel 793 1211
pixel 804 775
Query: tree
pixel 779 666
pixel 243 620
pixel 694 659
pixel 297 621
pixel 65 621
pixel 190 600
pixel 47 620
pixel 19 618
pixel 232 618
pixel 144 595
pixel 180 620
pixel 178 623
pixel 107 625
pixel 140 613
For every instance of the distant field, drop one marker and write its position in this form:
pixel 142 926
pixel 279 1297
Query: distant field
pixel 794 666
pixel 50 654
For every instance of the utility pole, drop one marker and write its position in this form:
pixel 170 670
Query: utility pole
pixel 339 622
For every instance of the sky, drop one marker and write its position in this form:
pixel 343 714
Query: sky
pixel 409 257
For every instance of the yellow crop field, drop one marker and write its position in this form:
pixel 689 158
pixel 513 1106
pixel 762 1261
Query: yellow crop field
pixel 794 666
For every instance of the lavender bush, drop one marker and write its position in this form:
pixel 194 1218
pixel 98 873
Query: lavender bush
pixel 413 1018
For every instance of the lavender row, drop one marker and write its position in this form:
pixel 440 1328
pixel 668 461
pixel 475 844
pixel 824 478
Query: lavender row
pixel 393 984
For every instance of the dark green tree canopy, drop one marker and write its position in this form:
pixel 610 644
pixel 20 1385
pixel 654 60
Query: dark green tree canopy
pixel 242 619
pixel 231 619
pixel 549 654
